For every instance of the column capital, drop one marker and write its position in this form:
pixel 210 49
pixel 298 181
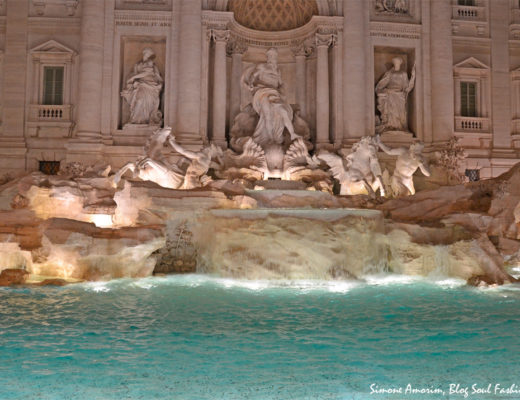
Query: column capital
pixel 236 46
pixel 220 35
pixel 303 50
pixel 325 39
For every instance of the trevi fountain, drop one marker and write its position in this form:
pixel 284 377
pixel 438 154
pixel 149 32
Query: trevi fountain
pixel 272 258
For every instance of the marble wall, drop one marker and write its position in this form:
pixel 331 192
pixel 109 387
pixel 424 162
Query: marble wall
pixel 329 66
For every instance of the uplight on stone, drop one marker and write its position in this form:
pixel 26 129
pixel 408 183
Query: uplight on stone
pixel 102 220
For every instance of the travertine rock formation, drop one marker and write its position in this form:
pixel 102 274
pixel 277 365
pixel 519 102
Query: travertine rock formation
pixel 82 228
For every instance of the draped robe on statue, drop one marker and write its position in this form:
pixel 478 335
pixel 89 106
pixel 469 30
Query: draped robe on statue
pixel 392 91
pixel 143 93
pixel 274 111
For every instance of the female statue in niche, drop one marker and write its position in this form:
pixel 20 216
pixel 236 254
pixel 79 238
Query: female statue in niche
pixel 142 91
pixel 392 93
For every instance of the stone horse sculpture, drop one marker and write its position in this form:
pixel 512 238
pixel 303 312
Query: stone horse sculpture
pixel 359 170
pixel 154 166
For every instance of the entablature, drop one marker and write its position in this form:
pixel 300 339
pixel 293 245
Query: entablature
pixel 214 20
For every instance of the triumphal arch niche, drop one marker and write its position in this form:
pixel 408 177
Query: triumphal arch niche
pixel 306 48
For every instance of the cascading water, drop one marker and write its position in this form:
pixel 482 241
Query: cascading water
pixel 319 244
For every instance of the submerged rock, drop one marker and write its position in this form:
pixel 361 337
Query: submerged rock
pixel 53 282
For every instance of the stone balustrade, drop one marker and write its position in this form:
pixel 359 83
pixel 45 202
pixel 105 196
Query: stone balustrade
pixel 39 112
pixel 469 13
pixel 475 124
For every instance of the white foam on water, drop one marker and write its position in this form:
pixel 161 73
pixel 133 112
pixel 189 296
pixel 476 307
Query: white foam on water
pixel 338 286
pixel 98 287
pixel 391 279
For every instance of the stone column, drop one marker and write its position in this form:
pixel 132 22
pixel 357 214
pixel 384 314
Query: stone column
pixel 236 49
pixel 323 41
pixel 456 92
pixel 108 61
pixel 484 97
pixel 500 76
pixel 12 143
pixel 87 147
pixel 441 56
pixel 189 59
pixel 300 55
pixel 355 70
pixel 219 87
pixel 91 70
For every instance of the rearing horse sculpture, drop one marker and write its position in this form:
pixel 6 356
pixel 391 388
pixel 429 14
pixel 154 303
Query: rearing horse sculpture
pixel 154 166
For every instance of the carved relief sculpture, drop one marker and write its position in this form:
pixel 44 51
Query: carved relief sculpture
pixel 143 90
pixel 392 6
pixel 392 94
pixel 408 161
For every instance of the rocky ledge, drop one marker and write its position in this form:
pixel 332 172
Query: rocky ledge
pixel 84 228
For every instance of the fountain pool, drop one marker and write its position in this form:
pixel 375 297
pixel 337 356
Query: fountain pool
pixel 198 337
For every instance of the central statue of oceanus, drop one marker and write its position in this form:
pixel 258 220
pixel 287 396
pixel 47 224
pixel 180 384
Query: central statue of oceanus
pixel 269 120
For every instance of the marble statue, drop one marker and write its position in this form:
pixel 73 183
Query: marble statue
pixel 408 161
pixel 270 122
pixel 392 92
pixel 265 84
pixel 154 166
pixel 143 90
pixel 200 163
pixel 244 125
pixel 359 170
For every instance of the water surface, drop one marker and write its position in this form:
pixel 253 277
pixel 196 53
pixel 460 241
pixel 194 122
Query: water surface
pixel 195 337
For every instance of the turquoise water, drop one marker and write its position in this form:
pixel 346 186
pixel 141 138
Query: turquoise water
pixel 193 337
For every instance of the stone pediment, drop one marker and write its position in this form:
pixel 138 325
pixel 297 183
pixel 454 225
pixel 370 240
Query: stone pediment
pixel 53 51
pixel 472 63
pixel 52 46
